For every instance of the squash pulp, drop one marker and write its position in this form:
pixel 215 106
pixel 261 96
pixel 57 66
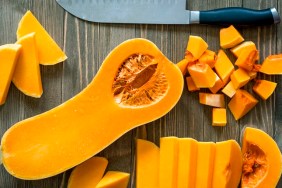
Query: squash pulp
pixel 136 84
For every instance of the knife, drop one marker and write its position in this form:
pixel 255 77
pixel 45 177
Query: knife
pixel 164 12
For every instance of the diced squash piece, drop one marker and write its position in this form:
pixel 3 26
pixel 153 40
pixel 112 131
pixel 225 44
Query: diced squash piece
pixel 239 78
pixel 229 37
pixel 27 77
pixel 168 162
pixel 241 103
pixel 246 45
pixel 272 65
pixel 223 66
pixel 247 59
pixel 219 117
pixel 229 90
pixel 147 164
pixel 189 57
pixel 264 88
pixel 190 84
pixel 217 86
pixel 182 65
pixel 197 46
pixel 227 164
pixel 252 74
pixel 202 75
pixel 208 57
pixel 114 179
pixel 89 173
pixel 205 164
pixel 49 52
pixel 215 100
pixel 187 157
pixel 8 59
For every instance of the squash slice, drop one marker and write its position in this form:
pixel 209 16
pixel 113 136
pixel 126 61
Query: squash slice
pixel 8 59
pixel 27 77
pixel 136 84
pixel 49 53
pixel 114 179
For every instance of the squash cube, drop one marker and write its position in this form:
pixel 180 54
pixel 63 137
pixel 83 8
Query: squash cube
pixel 241 103
pixel 190 84
pixel 229 37
pixel 264 88
pixel 208 57
pixel 239 78
pixel 246 45
pixel 219 117
pixel 182 65
pixel 197 46
pixel 272 65
pixel 215 100
pixel 223 66
pixel 114 179
pixel 217 86
pixel 229 90
pixel 202 75
pixel 247 59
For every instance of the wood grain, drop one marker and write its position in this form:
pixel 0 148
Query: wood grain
pixel 87 44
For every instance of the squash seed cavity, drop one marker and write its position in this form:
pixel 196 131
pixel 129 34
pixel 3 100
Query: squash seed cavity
pixel 254 166
pixel 138 82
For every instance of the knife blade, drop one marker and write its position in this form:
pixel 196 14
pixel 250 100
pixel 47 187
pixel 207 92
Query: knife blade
pixel 164 12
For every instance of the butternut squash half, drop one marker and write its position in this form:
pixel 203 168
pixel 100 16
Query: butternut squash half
pixel 136 84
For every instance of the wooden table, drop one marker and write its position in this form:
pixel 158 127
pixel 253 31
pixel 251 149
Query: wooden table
pixel 87 44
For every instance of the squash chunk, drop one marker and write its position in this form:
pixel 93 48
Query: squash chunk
pixel 246 45
pixel 229 90
pixel 229 37
pixel 182 65
pixel 114 179
pixel 216 100
pixel 202 75
pixel 239 78
pixel 247 59
pixel 264 88
pixel 190 84
pixel 49 52
pixel 227 164
pixel 187 157
pixel 272 65
pixel 219 117
pixel 223 66
pixel 27 77
pixel 241 103
pixel 147 164
pixel 89 173
pixel 168 162
pixel 196 46
pixel 262 162
pixel 217 86
pixel 8 59
pixel 205 164
pixel 208 57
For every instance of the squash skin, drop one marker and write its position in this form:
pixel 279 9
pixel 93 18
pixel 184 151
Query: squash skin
pixel 59 139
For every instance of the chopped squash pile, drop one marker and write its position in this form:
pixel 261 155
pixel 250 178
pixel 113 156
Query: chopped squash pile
pixel 203 68
pixel 20 61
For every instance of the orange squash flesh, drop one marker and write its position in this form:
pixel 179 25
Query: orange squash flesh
pixel 264 88
pixel 227 164
pixel 205 164
pixel 202 75
pixel 219 117
pixel 272 65
pixel 229 90
pixel 27 77
pixel 190 84
pixel 196 46
pixel 241 103
pixel 168 162
pixel 182 65
pixel 262 161
pixel 8 59
pixel 147 164
pixel 187 156
pixel 114 179
pixel 247 59
pixel 103 110
pixel 239 78
pixel 229 37
pixel 223 66
pixel 216 100
pixel 49 52
pixel 208 57
pixel 246 45
pixel 217 86
pixel 89 173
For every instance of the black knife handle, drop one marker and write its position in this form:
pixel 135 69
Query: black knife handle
pixel 239 16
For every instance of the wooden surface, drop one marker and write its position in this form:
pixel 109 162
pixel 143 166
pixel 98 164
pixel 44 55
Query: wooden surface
pixel 87 44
